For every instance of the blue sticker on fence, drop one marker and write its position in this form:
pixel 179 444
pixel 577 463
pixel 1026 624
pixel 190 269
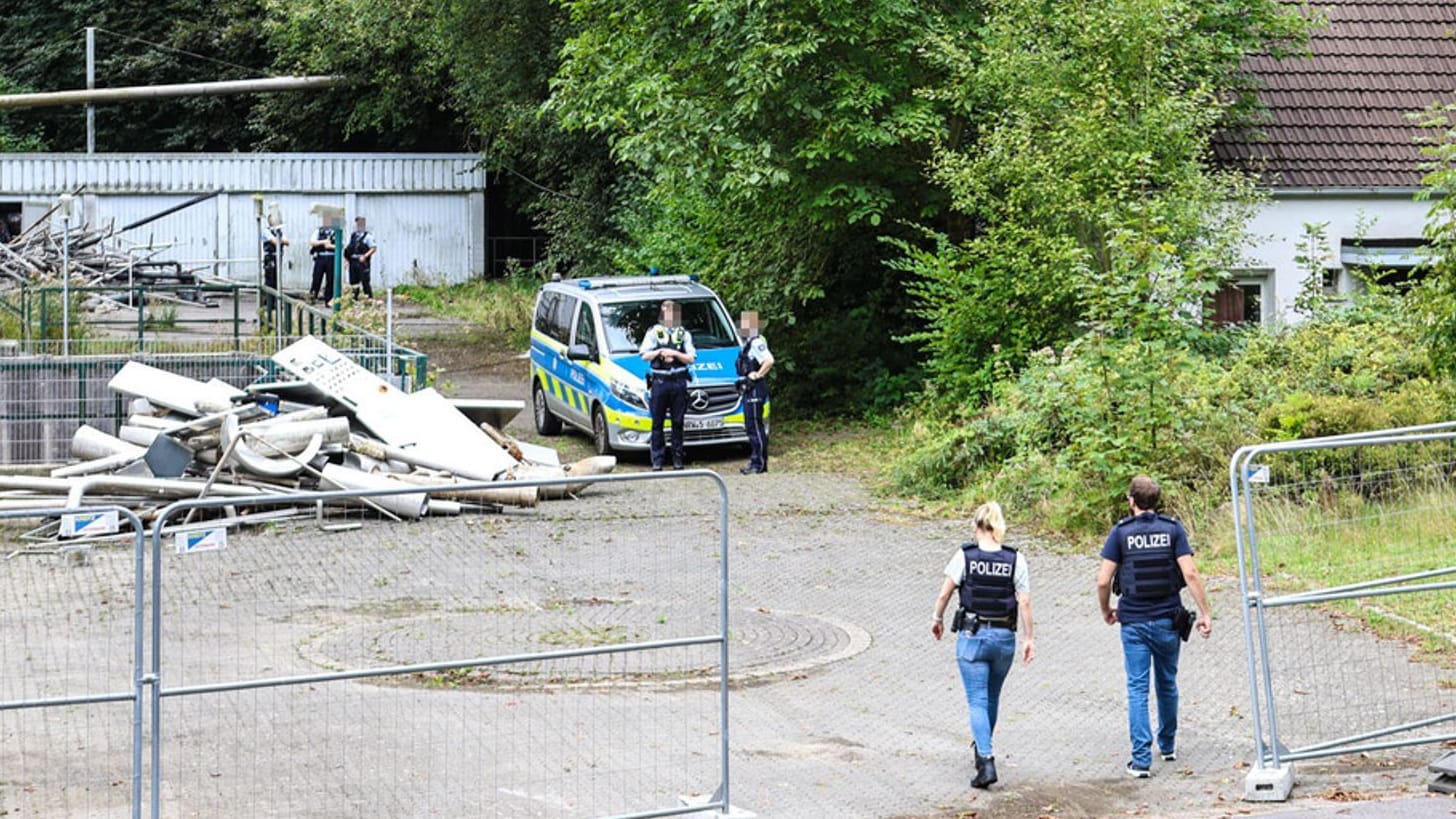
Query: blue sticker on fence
pixel 90 523
pixel 201 540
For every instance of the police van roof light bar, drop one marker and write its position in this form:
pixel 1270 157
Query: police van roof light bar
pixel 635 281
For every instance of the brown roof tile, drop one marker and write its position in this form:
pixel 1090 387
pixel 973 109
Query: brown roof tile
pixel 1337 118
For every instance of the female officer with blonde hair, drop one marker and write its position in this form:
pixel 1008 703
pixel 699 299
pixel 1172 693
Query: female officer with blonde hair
pixel 995 596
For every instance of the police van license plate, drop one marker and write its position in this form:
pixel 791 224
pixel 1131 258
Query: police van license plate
pixel 702 423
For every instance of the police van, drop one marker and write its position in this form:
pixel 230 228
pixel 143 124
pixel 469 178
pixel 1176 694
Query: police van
pixel 587 372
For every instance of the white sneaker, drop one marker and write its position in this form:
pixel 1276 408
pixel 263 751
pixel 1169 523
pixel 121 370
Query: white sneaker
pixel 1138 773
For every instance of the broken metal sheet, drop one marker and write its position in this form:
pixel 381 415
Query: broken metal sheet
pixel 423 422
pixel 175 392
pixel 496 412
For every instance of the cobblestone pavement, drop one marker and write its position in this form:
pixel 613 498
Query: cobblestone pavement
pixel 881 730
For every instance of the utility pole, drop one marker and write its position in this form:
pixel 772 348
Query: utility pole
pixel 90 85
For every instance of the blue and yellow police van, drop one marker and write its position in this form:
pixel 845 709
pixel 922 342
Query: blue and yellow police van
pixel 587 372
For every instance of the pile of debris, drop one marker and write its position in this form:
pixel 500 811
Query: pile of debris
pixel 95 256
pixel 333 426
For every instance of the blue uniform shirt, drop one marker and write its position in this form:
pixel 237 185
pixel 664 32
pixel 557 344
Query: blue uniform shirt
pixel 1131 608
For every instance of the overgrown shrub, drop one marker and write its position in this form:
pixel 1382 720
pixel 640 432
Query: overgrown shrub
pixel 1060 439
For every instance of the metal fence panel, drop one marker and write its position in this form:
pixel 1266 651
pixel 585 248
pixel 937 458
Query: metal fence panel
pixel 70 649
pixel 1348 536
pixel 348 666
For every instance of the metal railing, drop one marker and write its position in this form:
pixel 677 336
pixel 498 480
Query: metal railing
pixel 56 645
pixel 405 668
pixel 1345 563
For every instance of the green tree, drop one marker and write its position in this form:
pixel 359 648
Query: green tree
pixel 1434 298
pixel 1093 204
pixel 777 145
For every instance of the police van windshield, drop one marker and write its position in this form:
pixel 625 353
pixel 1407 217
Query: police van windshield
pixel 626 322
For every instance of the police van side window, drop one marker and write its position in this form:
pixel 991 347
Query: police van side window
pixel 545 307
pixel 586 329
pixel 561 318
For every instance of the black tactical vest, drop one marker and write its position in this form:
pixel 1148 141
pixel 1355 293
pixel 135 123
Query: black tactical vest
pixel 356 246
pixel 1149 567
pixel 988 588
pixel 324 235
pixel 745 363
pixel 675 340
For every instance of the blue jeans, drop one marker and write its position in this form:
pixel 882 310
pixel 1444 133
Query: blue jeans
pixel 1152 644
pixel 984 659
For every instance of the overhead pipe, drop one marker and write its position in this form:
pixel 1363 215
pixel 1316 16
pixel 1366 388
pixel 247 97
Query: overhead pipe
pixel 50 99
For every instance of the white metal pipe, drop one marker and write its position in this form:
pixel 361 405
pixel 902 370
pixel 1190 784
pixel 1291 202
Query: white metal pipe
pixel 507 494
pixel 90 442
pixel 295 437
pixel 411 505
pixel 103 464
pixel 49 99
pixel 139 435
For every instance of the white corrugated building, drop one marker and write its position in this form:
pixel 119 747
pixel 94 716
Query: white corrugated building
pixel 427 211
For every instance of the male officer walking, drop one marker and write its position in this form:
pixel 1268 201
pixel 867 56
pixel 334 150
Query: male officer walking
pixel 358 252
pixel 754 362
pixel 322 248
pixel 668 348
pixel 1149 556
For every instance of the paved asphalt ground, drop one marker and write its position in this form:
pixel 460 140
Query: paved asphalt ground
pixel 843 705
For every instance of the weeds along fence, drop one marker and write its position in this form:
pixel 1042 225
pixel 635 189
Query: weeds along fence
pixel 1347 568
pixel 357 666
pixel 50 386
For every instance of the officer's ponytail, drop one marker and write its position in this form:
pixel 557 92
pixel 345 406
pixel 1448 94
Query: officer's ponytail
pixel 988 518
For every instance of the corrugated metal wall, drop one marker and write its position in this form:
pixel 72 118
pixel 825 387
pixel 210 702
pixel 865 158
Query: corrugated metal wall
pixel 427 211
pixel 50 174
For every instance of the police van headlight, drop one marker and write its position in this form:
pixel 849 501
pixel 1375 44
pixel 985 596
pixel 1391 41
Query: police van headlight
pixel 627 393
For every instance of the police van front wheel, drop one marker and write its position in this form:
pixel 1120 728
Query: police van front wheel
pixel 546 423
pixel 601 436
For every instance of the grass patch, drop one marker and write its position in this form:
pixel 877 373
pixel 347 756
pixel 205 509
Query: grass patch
pixel 854 448
pixel 1347 539
pixel 500 308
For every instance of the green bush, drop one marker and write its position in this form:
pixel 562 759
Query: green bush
pixel 1060 437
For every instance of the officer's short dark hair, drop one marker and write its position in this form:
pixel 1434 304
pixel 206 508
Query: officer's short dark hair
pixel 1145 493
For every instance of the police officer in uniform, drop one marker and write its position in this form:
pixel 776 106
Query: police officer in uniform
pixel 754 362
pixel 273 241
pixel 1147 561
pixel 995 596
pixel 358 252
pixel 322 248
pixel 668 349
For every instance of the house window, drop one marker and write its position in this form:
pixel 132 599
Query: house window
pixel 1392 262
pixel 1239 302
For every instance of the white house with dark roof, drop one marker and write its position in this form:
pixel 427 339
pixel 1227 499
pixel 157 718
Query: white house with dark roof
pixel 1338 151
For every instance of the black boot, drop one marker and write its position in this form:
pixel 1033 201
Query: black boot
pixel 985 771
